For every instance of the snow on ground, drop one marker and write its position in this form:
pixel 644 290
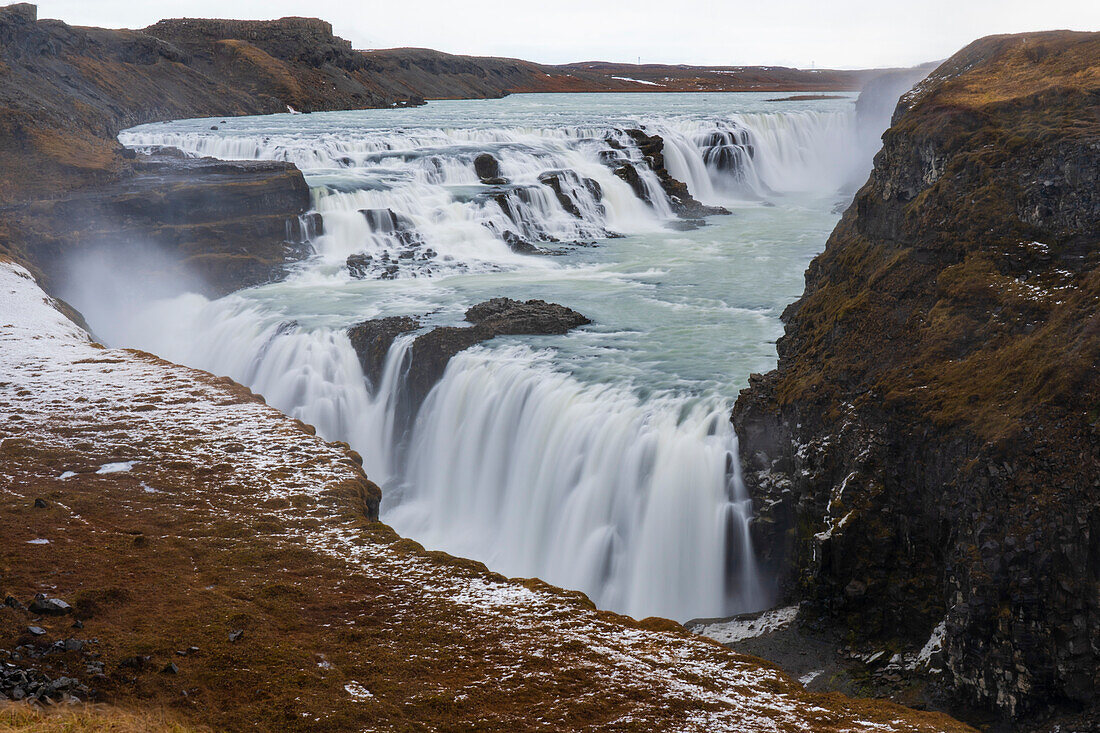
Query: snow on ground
pixel 638 81
pixel 51 374
pixel 747 627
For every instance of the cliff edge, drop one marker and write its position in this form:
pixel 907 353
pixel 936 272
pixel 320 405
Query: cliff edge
pixel 928 449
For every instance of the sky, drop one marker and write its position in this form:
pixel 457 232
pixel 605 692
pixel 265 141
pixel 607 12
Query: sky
pixel 802 33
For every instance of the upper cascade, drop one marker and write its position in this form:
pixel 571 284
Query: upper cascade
pixel 425 200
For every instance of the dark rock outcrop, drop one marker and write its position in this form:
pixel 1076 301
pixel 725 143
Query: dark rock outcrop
pixel 488 170
pixel 497 317
pixel 928 448
pixel 683 203
pixel 561 182
pixel 65 92
pixel 431 351
pixel 218 226
pixel 372 340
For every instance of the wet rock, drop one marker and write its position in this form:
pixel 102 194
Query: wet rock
pixel 359 265
pixel 683 203
pixel 385 221
pixel 686 225
pixel 562 182
pixel 488 170
pixel 432 351
pixel 629 173
pixel 911 480
pixel 372 340
pixel 519 245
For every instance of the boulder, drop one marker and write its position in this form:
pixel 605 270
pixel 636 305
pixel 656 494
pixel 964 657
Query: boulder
pixel 431 351
pixel 49 606
pixel 488 169
pixel 497 317
pixel 372 340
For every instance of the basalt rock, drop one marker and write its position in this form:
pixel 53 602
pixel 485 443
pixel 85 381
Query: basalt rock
pixel 488 170
pixel 372 340
pixel 561 182
pixel 218 225
pixel 928 448
pixel 683 203
pixel 431 352
pixel 497 317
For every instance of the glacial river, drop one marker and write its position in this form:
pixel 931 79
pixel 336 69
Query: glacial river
pixel 601 460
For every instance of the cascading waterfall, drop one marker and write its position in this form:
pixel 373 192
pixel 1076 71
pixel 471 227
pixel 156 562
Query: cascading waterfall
pixel 426 178
pixel 629 493
pixel 584 485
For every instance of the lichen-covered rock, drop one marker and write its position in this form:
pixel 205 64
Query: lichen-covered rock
pixel 931 436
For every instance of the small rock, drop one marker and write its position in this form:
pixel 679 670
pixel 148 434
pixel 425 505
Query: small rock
pixel 12 602
pixel 170 668
pixel 49 606
pixel 235 635
pixel 78 624
pixel 39 503
pixel 135 662
pixel 36 630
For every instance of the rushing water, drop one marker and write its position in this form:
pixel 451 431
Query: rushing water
pixel 602 460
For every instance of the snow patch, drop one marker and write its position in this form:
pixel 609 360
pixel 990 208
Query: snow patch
pixel 739 629
pixel 934 645
pixel 811 676
pixel 357 691
pixel 116 467
pixel 638 81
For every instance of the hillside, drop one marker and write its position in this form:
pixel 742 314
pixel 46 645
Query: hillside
pixel 928 450
pixel 420 72
pixel 217 559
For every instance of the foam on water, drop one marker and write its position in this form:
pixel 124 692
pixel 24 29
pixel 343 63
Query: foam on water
pixel 602 460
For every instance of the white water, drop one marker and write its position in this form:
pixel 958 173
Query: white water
pixel 602 460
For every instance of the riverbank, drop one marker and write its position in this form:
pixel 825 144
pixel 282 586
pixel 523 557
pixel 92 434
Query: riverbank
pixel 222 562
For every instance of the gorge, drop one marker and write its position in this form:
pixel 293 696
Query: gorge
pixel 527 318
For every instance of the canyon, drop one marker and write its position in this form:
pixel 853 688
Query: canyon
pixel 922 464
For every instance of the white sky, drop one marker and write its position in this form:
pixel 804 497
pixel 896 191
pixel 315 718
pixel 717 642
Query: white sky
pixel 826 33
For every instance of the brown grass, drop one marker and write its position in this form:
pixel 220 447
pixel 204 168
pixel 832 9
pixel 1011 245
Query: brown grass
pixel 20 718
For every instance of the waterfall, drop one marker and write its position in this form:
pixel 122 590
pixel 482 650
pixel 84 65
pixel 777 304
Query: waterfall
pixel 637 503
pixel 558 184
pixel 584 486
pixel 628 493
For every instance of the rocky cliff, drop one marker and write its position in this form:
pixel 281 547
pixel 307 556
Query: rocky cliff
pixel 928 449
pixel 67 186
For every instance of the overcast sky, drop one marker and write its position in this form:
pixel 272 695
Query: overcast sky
pixel 825 33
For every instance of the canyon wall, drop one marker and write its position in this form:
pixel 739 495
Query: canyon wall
pixel 928 449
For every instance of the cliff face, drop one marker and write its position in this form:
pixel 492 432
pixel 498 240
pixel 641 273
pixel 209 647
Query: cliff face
pixel 66 185
pixel 928 448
